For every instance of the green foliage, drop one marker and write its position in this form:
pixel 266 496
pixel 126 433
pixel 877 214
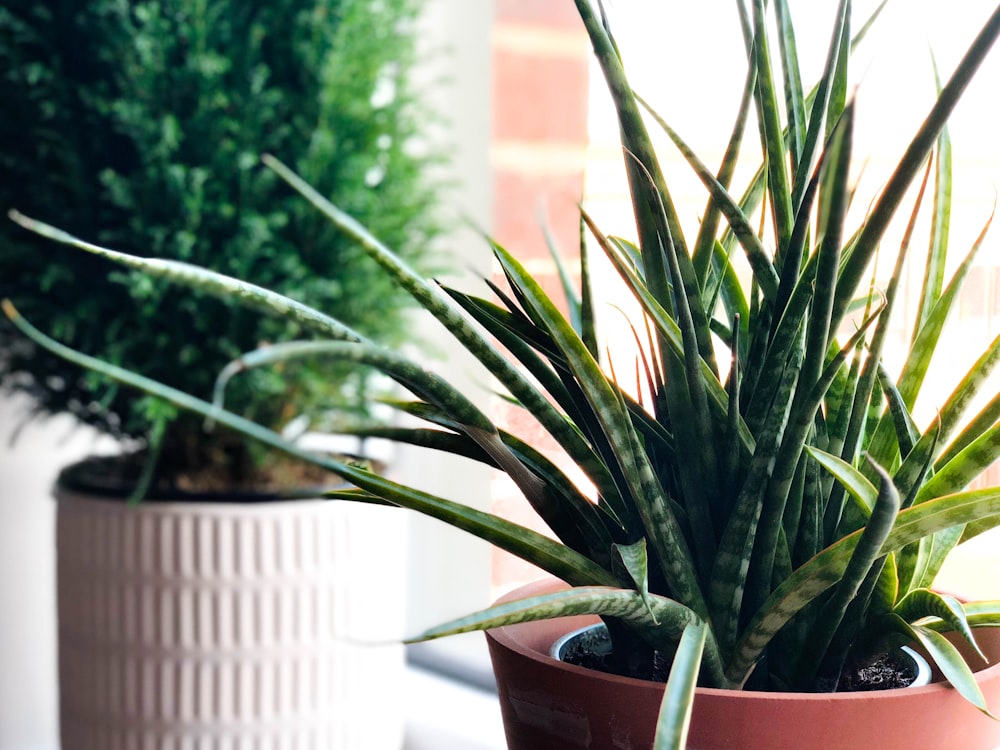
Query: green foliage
pixel 140 125
pixel 767 521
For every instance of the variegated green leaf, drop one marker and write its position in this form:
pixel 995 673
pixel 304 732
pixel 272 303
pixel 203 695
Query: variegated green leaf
pixel 914 156
pixel 863 557
pixel 634 559
pixel 758 257
pixel 921 603
pixel 203 280
pixel 856 483
pixel 537 548
pixel 674 719
pixel 664 620
pixel 952 665
pixel 436 302
pixel 826 568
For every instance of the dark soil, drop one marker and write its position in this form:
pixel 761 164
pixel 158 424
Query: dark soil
pixel 267 480
pixel 883 672
pixel 592 650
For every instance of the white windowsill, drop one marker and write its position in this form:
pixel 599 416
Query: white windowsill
pixel 444 714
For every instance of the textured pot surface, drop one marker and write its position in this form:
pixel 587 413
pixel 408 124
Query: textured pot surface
pixel 199 625
pixel 552 705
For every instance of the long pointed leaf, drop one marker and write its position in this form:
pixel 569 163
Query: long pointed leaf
pixel 826 568
pixel 518 540
pixel 913 157
pixel 674 719
pixel 203 280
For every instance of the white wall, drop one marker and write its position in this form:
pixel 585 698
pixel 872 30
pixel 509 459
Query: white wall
pixel 28 467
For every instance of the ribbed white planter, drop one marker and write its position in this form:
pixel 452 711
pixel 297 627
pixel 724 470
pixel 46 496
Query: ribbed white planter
pixel 228 626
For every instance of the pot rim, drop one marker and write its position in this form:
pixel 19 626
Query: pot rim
pixel 74 479
pixel 506 637
pixel 76 501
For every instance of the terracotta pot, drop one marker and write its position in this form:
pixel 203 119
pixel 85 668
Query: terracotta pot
pixel 228 625
pixel 552 705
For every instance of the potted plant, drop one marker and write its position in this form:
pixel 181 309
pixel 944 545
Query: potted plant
pixel 762 529
pixel 139 124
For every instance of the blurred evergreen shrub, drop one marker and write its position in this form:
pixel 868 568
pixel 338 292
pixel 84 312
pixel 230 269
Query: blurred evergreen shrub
pixel 139 125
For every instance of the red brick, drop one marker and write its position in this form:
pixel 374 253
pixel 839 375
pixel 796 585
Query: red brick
pixel 555 13
pixel 539 98
pixel 519 200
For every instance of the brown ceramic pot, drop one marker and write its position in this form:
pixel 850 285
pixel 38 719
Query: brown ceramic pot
pixel 552 705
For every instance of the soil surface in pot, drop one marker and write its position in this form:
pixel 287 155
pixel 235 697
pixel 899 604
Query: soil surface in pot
pixel 592 650
pixel 212 478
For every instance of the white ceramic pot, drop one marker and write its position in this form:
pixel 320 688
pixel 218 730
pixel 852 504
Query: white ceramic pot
pixel 229 625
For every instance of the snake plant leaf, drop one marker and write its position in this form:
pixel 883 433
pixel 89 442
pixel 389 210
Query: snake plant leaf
pixel 833 368
pixel 436 302
pixel 684 292
pixel 705 243
pixel 571 516
pixel 666 620
pixel 731 455
pixel 834 78
pixel 937 250
pixel 950 662
pixel 978 614
pixel 862 559
pixel 203 280
pixel 424 437
pixel 521 339
pixel 921 603
pixel 886 591
pixel 795 109
pixel 697 469
pixel 880 447
pixel 728 290
pixel 536 548
pixel 636 563
pixel 674 718
pixel 909 164
pixel 574 303
pixel 811 385
pixel 968 464
pixel 659 616
pixel 579 305
pixel 772 132
pixel 934 551
pixel 729 580
pixel 647 494
pixel 825 569
pixel 760 261
pixel 575 521
pixel 955 407
pixel 925 342
pixel 667 327
pixel 906 432
pixel 422 382
pixel 858 38
pixel 656 217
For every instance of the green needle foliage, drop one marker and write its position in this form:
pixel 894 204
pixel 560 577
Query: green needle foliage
pixel 140 125
pixel 766 521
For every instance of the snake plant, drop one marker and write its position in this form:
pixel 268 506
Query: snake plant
pixel 764 515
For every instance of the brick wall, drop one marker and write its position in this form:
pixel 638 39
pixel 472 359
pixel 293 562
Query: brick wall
pixel 540 81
